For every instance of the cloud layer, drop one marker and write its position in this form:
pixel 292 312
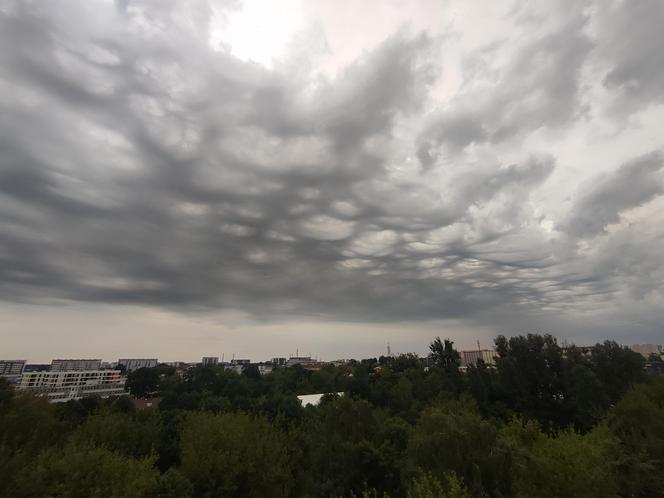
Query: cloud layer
pixel 139 163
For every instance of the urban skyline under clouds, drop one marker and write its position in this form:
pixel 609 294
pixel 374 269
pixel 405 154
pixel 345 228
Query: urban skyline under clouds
pixel 180 179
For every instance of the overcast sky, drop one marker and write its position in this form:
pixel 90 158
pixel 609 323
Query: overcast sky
pixel 187 178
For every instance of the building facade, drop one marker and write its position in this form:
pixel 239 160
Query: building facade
pixel 209 361
pixel 11 370
pixel 11 367
pixel 69 365
pixel 61 386
pixel 132 364
pixel 646 350
pixel 471 357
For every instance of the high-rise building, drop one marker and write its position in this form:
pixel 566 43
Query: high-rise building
pixel 210 361
pixel 75 365
pixel 132 364
pixel 60 386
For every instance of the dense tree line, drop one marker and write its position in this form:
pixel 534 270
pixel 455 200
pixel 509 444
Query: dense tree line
pixel 542 423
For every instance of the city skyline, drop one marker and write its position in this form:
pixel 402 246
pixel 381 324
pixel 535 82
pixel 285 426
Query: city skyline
pixel 184 178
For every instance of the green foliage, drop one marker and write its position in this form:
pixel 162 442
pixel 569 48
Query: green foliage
pixel 444 355
pixel 235 455
pixel 426 485
pixel 143 381
pixel 617 367
pixel 452 437
pixel 543 422
pixel 567 465
pixel 87 472
pixel 637 422
pixel 134 435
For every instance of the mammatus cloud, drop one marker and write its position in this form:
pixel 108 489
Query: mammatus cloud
pixel 140 164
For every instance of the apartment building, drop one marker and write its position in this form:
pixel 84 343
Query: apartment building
pixel 132 364
pixel 473 356
pixel 69 365
pixel 60 386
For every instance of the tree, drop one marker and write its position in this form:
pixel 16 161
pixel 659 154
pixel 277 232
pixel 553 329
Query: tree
pixel 83 471
pixel 444 355
pixel 235 455
pixel 135 435
pixel 637 422
pixel 569 464
pixel 426 485
pixel 617 367
pixel 143 381
pixel 452 437
pixel 530 378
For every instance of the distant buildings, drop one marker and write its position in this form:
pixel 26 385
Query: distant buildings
pixel 74 365
pixel 65 385
pixel 11 367
pixel 132 364
pixel 306 362
pixel 471 357
pixel 646 350
pixel 209 361
pixel 240 361
pixel 265 368
pixel 278 362
pixel 12 370
pixel 145 403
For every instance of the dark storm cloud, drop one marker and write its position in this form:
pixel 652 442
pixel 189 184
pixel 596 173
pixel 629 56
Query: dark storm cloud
pixel 138 165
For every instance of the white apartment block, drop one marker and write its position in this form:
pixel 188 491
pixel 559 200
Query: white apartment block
pixel 71 365
pixel 60 386
pixel 132 364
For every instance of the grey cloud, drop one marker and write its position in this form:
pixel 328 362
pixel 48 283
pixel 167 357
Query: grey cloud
pixel 605 198
pixel 138 165
pixel 629 37
pixel 538 87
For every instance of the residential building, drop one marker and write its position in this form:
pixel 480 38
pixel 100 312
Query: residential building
pixel 60 386
pixel 278 362
pixel 306 362
pixel 145 403
pixel 471 357
pixel 646 350
pixel 70 365
pixel 132 364
pixel 37 367
pixel 239 361
pixel 209 361
pixel 11 370
pixel 265 368
pixel 11 367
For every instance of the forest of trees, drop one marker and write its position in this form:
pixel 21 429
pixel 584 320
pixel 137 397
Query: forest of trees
pixel 542 423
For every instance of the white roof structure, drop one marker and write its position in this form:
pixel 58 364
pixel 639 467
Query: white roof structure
pixel 313 399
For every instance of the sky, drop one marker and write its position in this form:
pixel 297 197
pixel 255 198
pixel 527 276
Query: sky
pixel 188 178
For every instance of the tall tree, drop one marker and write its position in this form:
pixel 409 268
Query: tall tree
pixel 235 455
